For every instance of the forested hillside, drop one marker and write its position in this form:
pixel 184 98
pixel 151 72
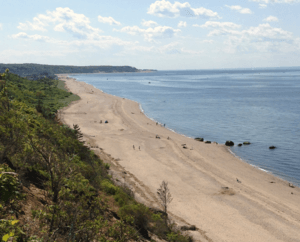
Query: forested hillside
pixel 38 71
pixel 52 186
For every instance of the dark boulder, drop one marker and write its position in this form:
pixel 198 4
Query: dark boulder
pixel 272 147
pixel 240 145
pixel 207 142
pixel 191 227
pixel 229 143
pixel 246 143
pixel 199 139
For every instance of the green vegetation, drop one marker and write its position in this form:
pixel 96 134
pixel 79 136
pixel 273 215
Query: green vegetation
pixel 52 186
pixel 37 71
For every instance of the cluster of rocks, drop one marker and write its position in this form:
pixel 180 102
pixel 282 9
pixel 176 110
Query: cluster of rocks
pixel 202 140
pixel 231 143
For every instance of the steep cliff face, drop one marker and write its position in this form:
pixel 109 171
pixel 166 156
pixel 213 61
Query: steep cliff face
pixel 37 71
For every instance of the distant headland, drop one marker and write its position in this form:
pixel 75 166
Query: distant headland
pixel 39 71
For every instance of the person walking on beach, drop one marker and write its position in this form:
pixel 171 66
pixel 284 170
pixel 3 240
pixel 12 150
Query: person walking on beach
pixel 139 148
pixel 133 147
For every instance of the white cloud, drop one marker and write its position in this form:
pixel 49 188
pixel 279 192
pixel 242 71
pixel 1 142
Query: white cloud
pixel 164 8
pixel 173 48
pixel 108 20
pixel 262 5
pixel 260 1
pixel 260 33
pixel 271 19
pixel 263 38
pixel 36 37
pixel 182 24
pixel 103 42
pixel 159 32
pixel 64 20
pixel 9 53
pixel 37 25
pixel 0 26
pixel 240 9
pixel 78 25
pixel 209 41
pixel 149 23
pixel 275 1
pixel 214 24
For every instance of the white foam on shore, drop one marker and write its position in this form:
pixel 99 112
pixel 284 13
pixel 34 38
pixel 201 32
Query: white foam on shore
pixel 257 167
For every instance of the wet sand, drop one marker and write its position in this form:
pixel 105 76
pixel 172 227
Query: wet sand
pixel 202 177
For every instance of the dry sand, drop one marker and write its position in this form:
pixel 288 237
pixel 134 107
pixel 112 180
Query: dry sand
pixel 260 208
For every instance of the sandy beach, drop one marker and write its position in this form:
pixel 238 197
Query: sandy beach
pixel 202 177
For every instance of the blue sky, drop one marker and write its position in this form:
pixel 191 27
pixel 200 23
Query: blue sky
pixel 161 35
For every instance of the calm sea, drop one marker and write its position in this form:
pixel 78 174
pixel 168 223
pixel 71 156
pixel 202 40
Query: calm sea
pixel 261 106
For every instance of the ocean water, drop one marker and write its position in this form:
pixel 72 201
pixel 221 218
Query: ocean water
pixel 261 106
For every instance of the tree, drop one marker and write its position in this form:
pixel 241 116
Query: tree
pixel 164 195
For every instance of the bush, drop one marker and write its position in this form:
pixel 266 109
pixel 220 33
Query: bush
pixel 122 198
pixel 108 187
pixel 9 198
pixel 9 184
pixel 107 166
pixel 140 214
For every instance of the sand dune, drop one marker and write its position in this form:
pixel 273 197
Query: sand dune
pixel 202 177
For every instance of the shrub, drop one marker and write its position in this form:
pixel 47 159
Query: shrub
pixel 140 214
pixel 108 187
pixel 122 198
pixel 9 184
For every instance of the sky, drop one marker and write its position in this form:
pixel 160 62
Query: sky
pixel 150 34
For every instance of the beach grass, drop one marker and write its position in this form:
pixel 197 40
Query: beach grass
pixel 66 101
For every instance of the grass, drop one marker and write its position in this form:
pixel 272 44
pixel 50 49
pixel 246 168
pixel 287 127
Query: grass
pixel 66 101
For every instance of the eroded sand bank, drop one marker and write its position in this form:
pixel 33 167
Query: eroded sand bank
pixel 260 208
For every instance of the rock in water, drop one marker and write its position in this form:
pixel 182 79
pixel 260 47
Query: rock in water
pixel 246 143
pixel 229 143
pixel 240 145
pixel 272 147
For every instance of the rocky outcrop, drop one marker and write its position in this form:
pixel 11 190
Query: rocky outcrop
pixel 246 143
pixel 229 143
pixel 199 139
pixel 272 147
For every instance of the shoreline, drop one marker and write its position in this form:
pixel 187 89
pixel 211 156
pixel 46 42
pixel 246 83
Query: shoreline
pixel 196 175
pixel 228 148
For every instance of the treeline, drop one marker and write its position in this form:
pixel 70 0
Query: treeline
pixel 76 198
pixel 38 71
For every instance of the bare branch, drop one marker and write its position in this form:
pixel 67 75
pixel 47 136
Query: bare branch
pixel 164 195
